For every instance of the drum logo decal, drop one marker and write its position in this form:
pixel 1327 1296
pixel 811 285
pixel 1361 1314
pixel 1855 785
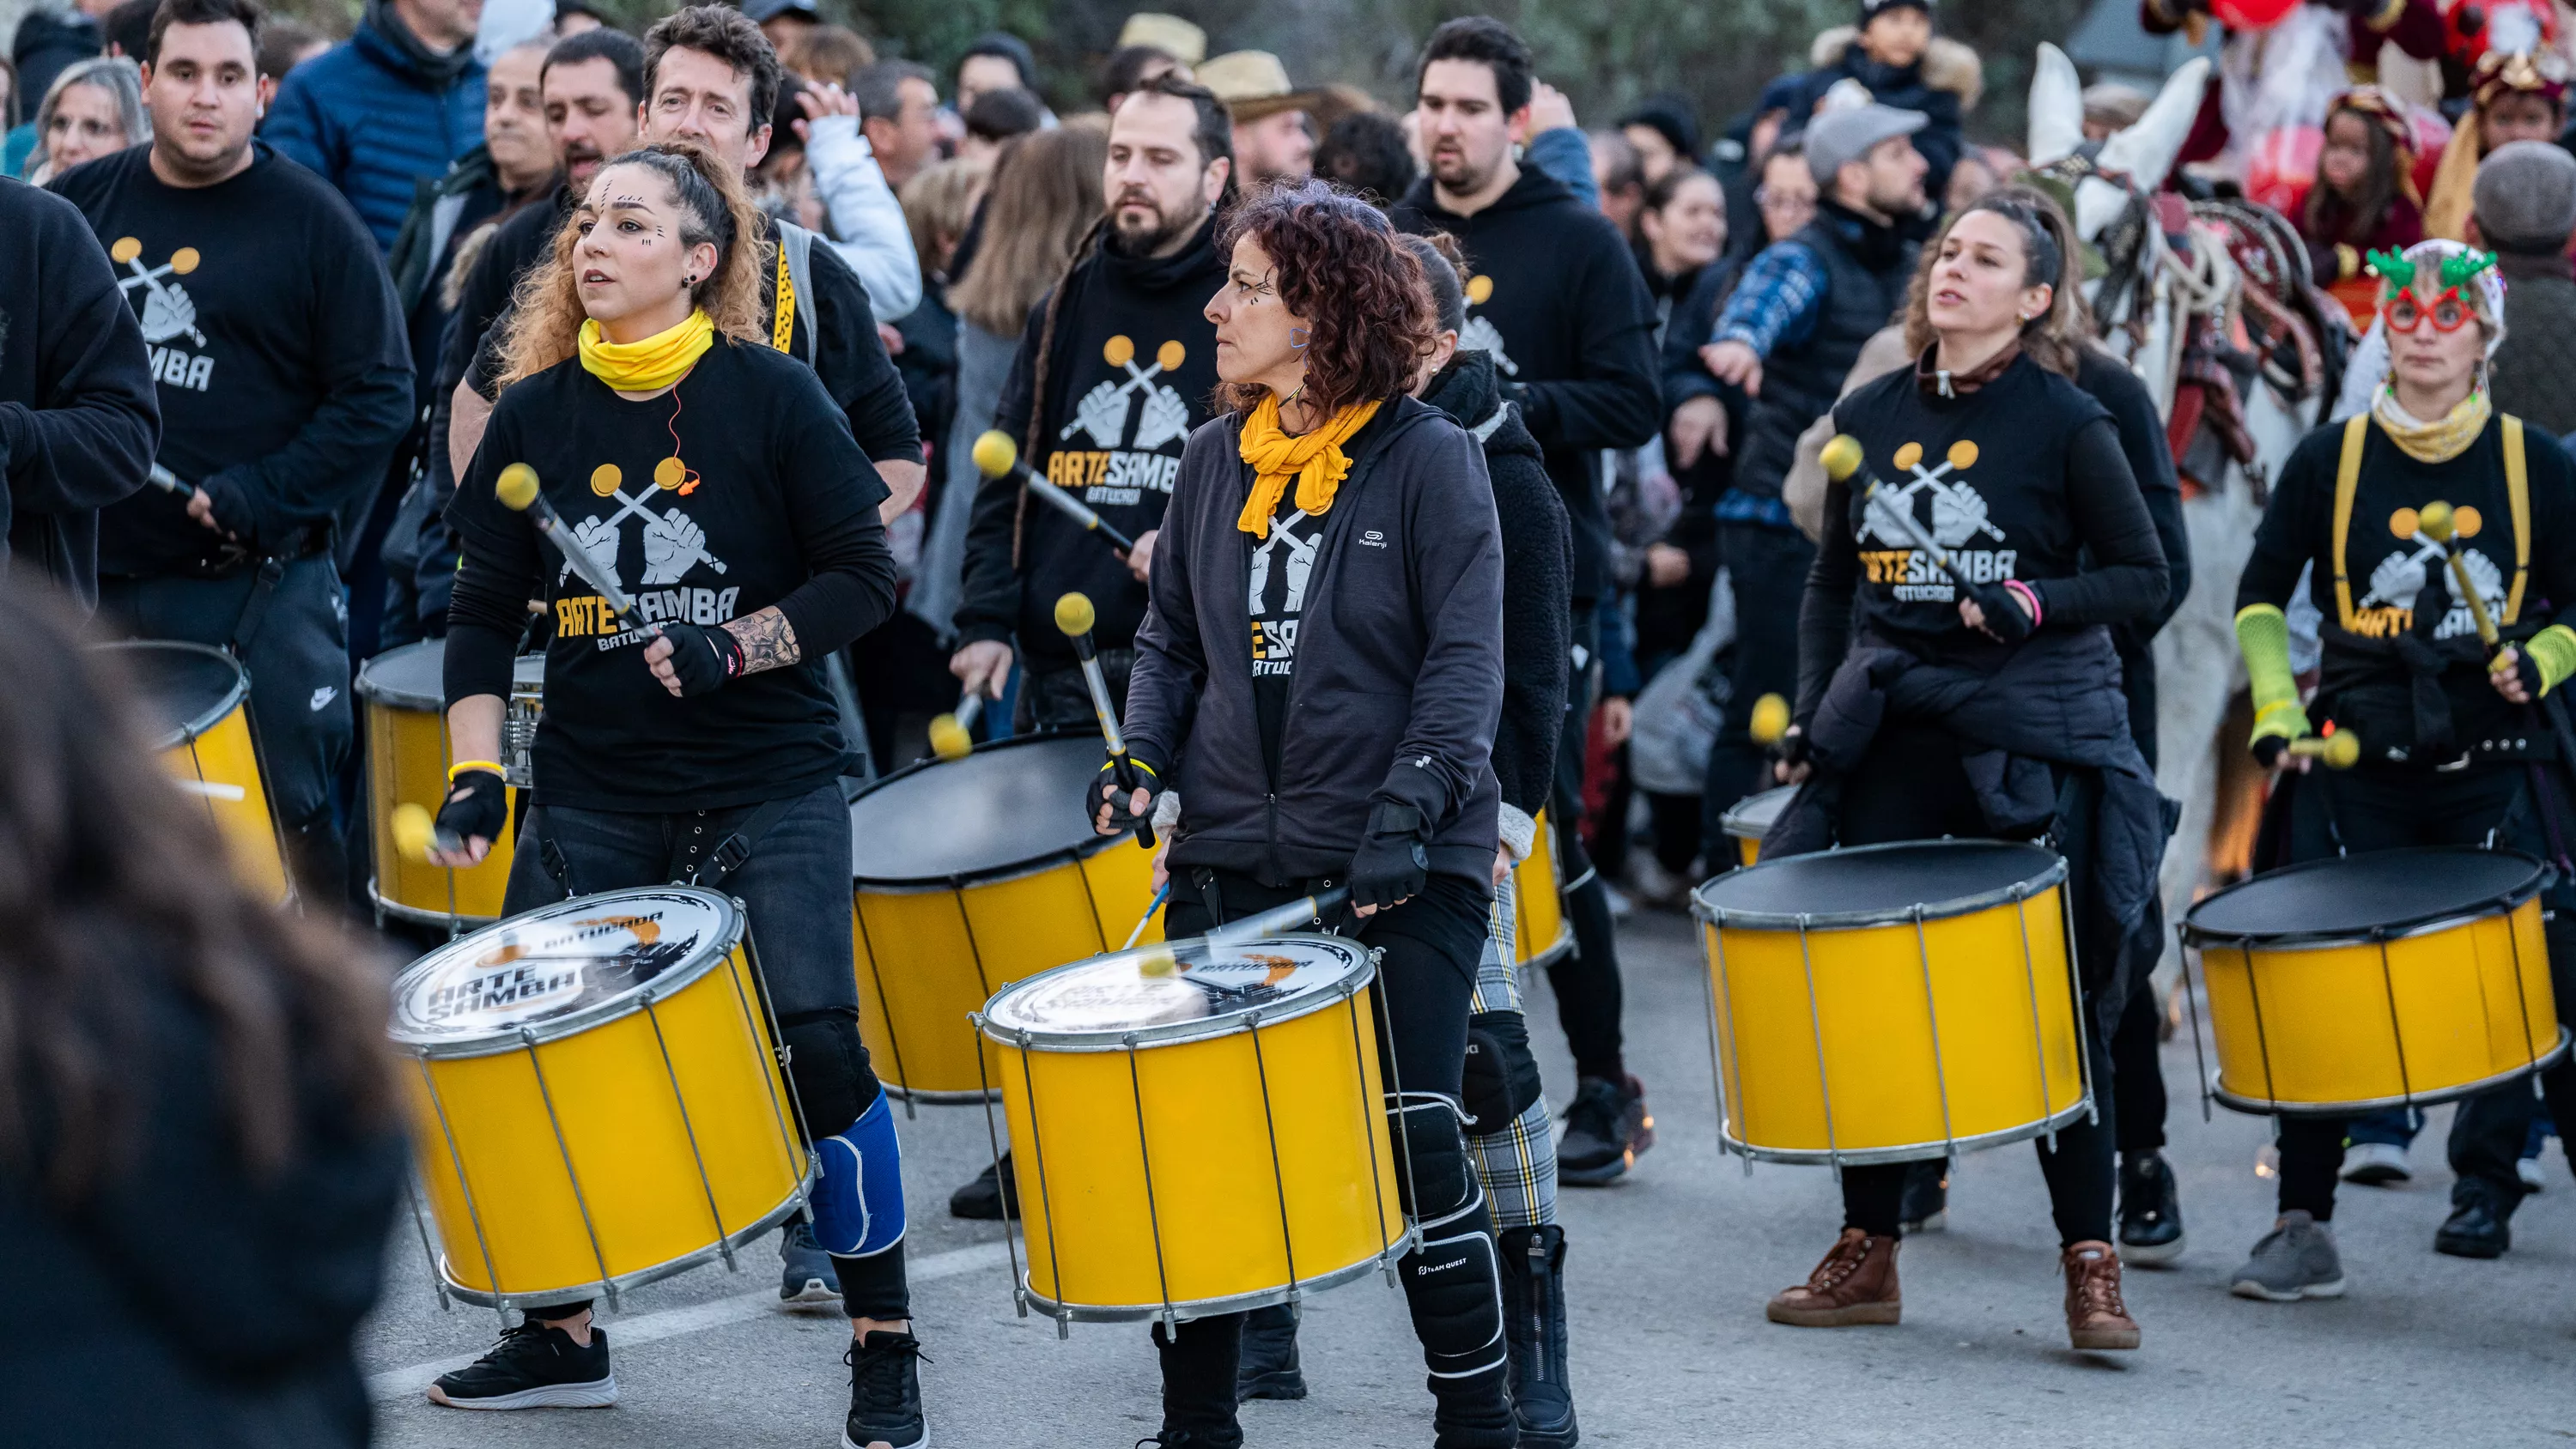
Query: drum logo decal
pixel 547 971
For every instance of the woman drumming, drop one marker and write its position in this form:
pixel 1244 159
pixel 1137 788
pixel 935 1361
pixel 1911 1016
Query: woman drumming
pixel 2449 745
pixel 1351 530
pixel 1905 679
pixel 691 740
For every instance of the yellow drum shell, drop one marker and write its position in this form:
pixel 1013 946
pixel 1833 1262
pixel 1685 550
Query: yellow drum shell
pixel 1870 1035
pixel 203 695
pixel 614 1148
pixel 1208 1174
pixel 408 755
pixel 1543 931
pixel 1752 818
pixel 2347 1024
pixel 928 953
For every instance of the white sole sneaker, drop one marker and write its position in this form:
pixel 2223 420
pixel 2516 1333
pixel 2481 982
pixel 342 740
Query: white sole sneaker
pixel 2152 1255
pixel 2534 1180
pixel 2248 1288
pixel 814 1291
pixel 2376 1164
pixel 921 1443
pixel 598 1395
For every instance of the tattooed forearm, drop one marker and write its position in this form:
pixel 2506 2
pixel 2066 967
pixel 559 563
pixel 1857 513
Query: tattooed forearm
pixel 768 641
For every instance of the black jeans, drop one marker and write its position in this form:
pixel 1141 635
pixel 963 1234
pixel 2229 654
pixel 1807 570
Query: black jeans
pixel 1585 980
pixel 300 713
pixel 2138 1071
pixel 1426 979
pixel 1911 786
pixel 795 887
pixel 1766 572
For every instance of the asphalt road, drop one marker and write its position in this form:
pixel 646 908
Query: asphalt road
pixel 1667 1275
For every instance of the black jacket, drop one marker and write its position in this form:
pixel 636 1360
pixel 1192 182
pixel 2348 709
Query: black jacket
pixel 2142 440
pixel 1400 659
pixel 1554 294
pixel 47 44
pixel 1538 568
pixel 80 418
pixel 188 1304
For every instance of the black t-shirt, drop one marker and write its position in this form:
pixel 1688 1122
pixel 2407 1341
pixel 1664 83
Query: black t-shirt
pixel 768 502
pixel 1282 563
pixel 277 342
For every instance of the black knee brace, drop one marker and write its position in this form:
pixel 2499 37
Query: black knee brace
pixel 1433 1177
pixel 1502 1076
pixel 1453 1282
pixel 829 1067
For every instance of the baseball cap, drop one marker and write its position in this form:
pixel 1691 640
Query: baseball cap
pixel 761 12
pixel 1838 137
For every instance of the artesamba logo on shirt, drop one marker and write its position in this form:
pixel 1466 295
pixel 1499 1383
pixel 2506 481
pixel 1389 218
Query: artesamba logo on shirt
pixel 168 312
pixel 2388 610
pixel 1957 516
pixel 1129 424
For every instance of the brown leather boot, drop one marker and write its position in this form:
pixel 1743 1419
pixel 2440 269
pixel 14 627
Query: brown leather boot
pixel 1856 1283
pixel 2095 1317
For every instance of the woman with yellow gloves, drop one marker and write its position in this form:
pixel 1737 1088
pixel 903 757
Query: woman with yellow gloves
pixel 2454 742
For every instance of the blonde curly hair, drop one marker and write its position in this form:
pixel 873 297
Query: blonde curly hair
pixel 546 312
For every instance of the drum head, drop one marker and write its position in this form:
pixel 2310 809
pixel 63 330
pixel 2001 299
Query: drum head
pixel 1753 816
pixel 2384 891
pixel 1877 884
pixel 411 677
pixel 186 688
pixel 1101 1001
pixel 998 809
pixel 560 968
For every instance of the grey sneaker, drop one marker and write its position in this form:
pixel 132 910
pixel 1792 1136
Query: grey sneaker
pixel 2296 1260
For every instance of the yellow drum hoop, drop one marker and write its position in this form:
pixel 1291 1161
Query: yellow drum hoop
pixel 1173 1312
pixel 2204 939
pixel 529 1038
pixel 1713 973
pixel 1549 954
pixel 372 687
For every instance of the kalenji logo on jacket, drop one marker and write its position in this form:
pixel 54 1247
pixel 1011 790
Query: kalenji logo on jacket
pixel 1373 539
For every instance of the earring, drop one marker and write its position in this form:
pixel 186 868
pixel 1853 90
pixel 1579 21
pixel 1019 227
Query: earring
pixel 689 281
pixel 1297 338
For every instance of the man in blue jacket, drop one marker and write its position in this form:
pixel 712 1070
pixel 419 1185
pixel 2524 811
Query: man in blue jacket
pixel 393 105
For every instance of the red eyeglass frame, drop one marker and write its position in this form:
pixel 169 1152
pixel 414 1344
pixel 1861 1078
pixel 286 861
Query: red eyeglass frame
pixel 2426 312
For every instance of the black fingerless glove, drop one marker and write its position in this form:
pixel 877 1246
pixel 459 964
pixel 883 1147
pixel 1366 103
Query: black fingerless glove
pixel 1100 795
pixel 705 659
pixel 1391 865
pixel 1791 748
pixel 477 808
pixel 2007 618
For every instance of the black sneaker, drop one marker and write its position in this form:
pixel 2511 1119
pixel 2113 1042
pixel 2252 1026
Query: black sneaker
pixel 2150 1210
pixel 1606 1129
pixel 1266 1367
pixel 991 1197
pixel 534 1366
pixel 1924 1205
pixel 805 1272
pixel 885 1393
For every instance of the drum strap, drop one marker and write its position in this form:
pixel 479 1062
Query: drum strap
pixel 2517 488
pixel 254 609
pixel 734 849
pixel 1204 877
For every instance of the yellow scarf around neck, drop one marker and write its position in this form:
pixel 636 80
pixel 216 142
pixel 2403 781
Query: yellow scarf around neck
pixel 1315 460
pixel 652 364
pixel 2433 442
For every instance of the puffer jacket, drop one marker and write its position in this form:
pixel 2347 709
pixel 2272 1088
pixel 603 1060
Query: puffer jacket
pixel 377 115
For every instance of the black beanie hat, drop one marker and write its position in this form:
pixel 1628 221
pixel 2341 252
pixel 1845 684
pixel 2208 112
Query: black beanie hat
pixel 1871 9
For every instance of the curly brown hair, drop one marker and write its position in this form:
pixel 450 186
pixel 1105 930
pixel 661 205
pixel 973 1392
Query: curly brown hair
pixel 546 314
pixel 1358 289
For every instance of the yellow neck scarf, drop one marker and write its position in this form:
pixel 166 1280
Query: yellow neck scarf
pixel 652 364
pixel 1315 460
pixel 2434 442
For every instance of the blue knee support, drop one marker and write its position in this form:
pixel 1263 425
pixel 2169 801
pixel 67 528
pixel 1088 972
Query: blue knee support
pixel 858 1200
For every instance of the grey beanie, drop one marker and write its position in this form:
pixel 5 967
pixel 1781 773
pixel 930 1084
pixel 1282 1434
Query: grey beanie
pixel 2525 197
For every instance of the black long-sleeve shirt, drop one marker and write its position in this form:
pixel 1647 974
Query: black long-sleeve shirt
pixel 78 417
pixel 278 345
pixel 2022 478
pixel 771 503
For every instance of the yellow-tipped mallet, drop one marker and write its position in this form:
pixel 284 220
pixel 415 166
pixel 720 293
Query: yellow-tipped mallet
pixel 1075 616
pixel 2439 522
pixel 1845 464
pixel 518 492
pixel 995 455
pixel 1770 719
pixel 1168 957
pixel 2340 750
pixel 952 736
pixel 414 831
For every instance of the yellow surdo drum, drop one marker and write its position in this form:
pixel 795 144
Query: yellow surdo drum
pixel 1202 1142
pixel 969 875
pixel 1543 931
pixel 2400 976
pixel 1892 1002
pixel 595 1098
pixel 403 694
pixel 1752 818
pixel 198 698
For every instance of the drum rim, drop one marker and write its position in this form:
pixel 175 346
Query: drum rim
pixel 1726 822
pixel 500 1040
pixel 1910 1152
pixel 1204 1028
pixel 1404 1243
pixel 2265 1107
pixel 1052 858
pixel 196 725
pixel 391 697
pixel 2448 917
pixel 2049 878
pixel 421 916
pixel 597 1287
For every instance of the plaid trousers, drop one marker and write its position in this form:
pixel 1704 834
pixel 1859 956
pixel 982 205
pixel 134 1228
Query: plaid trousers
pixel 1517 1164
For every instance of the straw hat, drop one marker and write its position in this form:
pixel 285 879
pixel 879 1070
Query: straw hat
pixel 1253 84
pixel 1169 34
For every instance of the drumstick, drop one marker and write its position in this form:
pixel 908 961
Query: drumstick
pixel 2438 522
pixel 1770 719
pixel 1163 960
pixel 162 478
pixel 2339 750
pixel 1074 615
pixel 995 455
pixel 517 490
pixel 952 734
pixel 1844 464
pixel 1147 919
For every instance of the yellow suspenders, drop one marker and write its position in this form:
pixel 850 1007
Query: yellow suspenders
pixel 782 323
pixel 2517 488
